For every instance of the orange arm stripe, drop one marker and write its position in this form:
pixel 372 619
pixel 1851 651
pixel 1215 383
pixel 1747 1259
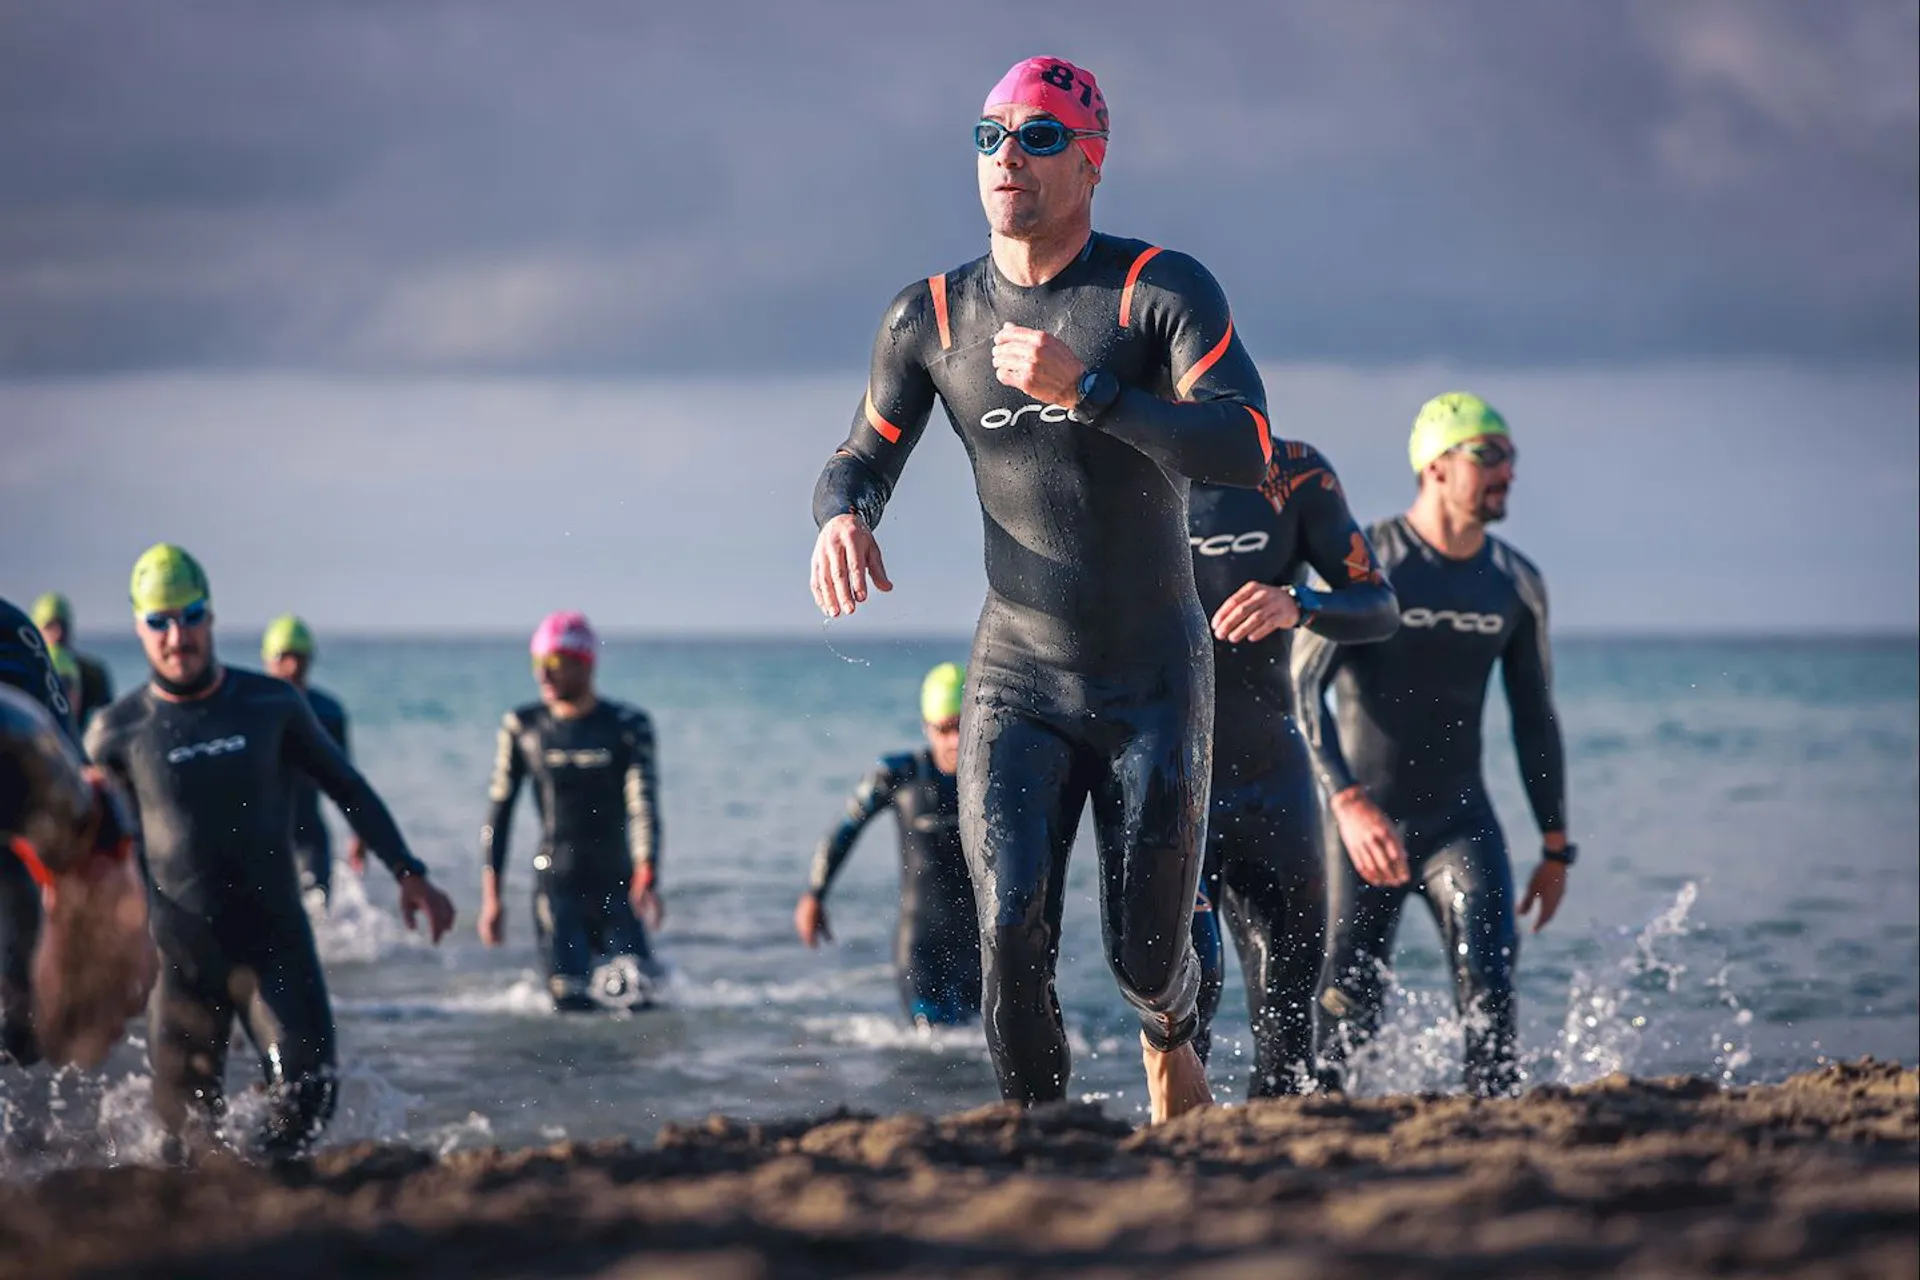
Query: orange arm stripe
pixel 1266 436
pixel 1133 278
pixel 1206 362
pixel 939 286
pixel 888 432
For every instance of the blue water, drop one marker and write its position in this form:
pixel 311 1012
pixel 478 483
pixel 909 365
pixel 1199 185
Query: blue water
pixel 1747 902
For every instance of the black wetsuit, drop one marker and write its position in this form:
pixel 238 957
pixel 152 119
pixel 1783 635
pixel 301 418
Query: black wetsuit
pixel 212 780
pixel 1264 870
pixel 596 787
pixel 1091 674
pixel 1410 711
pixel 936 947
pixel 96 688
pixel 24 665
pixel 312 846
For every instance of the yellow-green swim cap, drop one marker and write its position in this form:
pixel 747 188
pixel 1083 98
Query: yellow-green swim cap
pixel 286 634
pixel 52 607
pixel 166 577
pixel 1449 420
pixel 940 692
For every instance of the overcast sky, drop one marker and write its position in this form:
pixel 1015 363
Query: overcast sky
pixel 426 314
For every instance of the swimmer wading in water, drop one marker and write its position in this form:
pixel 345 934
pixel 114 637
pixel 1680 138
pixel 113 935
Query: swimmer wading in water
pixel 1090 379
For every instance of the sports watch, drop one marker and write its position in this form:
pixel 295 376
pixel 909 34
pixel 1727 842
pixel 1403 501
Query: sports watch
pixel 1564 856
pixel 1097 389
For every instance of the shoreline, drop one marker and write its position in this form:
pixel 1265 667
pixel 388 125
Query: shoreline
pixel 1817 1175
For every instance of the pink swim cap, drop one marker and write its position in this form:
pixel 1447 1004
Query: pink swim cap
pixel 566 633
pixel 1060 89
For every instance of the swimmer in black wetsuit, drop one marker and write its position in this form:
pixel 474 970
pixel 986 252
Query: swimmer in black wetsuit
pixel 210 755
pixel 596 785
pixel 1090 378
pixel 286 650
pixel 1264 865
pixel 1402 763
pixel 75 957
pixel 53 614
pixel 936 948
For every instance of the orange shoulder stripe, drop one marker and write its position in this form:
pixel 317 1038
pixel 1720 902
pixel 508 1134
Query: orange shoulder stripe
pixel 888 432
pixel 1133 278
pixel 938 284
pixel 1205 363
pixel 1266 436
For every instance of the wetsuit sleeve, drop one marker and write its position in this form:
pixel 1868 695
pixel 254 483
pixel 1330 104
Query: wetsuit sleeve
pixel 509 771
pixel 642 790
pixel 860 477
pixel 874 793
pixel 1355 603
pixel 1315 659
pixel 1526 669
pixel 312 750
pixel 1215 430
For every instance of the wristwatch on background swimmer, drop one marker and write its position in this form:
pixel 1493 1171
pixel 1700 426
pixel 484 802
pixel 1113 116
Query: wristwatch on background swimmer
pixel 1305 609
pixel 1097 390
pixel 1564 856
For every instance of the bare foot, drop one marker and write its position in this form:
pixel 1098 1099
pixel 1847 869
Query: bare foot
pixel 1176 1081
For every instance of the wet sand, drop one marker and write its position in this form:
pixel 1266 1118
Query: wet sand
pixel 1819 1176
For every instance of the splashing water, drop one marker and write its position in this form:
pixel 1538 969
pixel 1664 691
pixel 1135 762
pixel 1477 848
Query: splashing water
pixel 350 929
pixel 1613 1018
pixel 844 657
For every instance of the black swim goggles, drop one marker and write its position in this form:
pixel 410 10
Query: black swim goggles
pixel 186 619
pixel 1489 453
pixel 1040 136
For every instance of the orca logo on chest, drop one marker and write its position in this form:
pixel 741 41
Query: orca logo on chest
pixel 212 747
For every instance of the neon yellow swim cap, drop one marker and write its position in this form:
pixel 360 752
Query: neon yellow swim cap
pixel 286 634
pixel 940 692
pixel 1449 420
pixel 52 607
pixel 166 577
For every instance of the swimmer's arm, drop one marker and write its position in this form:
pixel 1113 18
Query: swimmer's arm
pixel 1362 608
pixel 1526 669
pixel 1215 430
pixel 1315 660
pixel 509 771
pixel 860 477
pixel 642 791
pixel 312 750
pixel 874 793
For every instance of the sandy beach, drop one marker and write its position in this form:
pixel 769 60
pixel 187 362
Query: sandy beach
pixel 1819 1175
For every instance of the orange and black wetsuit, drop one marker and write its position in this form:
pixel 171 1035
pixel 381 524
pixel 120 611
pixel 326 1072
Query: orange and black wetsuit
pixel 1091 675
pixel 1264 870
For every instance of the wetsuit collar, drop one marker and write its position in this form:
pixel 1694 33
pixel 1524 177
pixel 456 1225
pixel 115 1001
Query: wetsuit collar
pixel 1435 553
pixel 1058 278
pixel 192 690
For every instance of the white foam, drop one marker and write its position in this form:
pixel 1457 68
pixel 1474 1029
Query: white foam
pixel 350 929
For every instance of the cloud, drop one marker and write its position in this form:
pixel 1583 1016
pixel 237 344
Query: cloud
pixel 610 189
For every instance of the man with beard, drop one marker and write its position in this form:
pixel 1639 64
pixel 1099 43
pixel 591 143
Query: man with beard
pixel 1401 764
pixel 210 756
pixel 1090 378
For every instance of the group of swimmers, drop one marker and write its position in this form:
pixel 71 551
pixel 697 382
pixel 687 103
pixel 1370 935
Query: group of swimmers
pixel 1151 551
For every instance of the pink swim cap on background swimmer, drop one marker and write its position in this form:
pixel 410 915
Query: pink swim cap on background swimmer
pixel 566 633
pixel 1060 89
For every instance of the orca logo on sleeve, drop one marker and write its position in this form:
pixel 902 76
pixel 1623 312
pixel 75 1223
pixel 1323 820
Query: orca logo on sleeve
pixel 215 747
pixel 1485 624
pixel 1231 544
pixel 994 419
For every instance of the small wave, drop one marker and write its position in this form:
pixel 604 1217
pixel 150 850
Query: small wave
pixel 350 929
pixel 872 1031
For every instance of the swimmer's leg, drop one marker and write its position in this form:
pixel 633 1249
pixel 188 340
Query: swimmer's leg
pixel 1150 822
pixel 1207 946
pixel 1021 793
pixel 1274 901
pixel 1361 920
pixel 282 1001
pixel 189 1021
pixel 560 927
pixel 1468 885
